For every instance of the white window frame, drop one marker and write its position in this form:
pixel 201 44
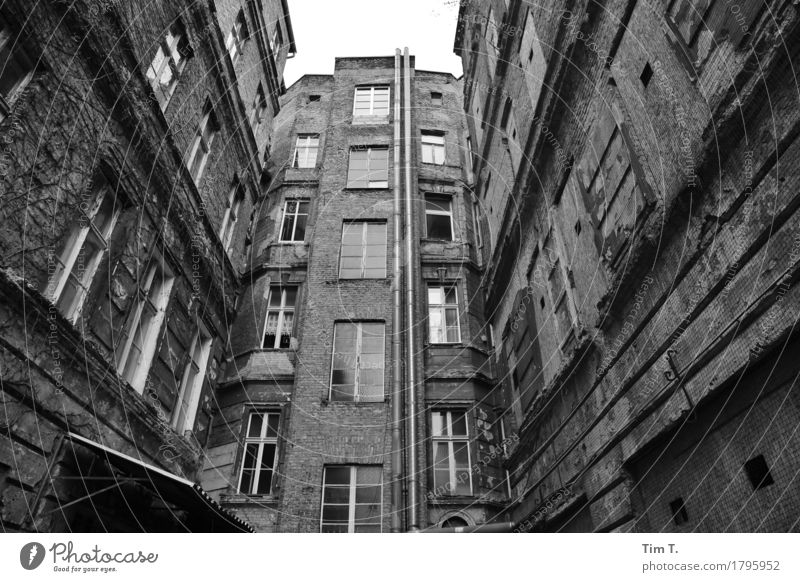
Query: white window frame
pixel 443 308
pixel 189 395
pixel 305 145
pixel 365 246
pixel 202 142
pixel 433 148
pixel 352 495
pixel 276 40
pixel 451 440
pixel 282 310
pixel 231 215
pixel 72 252
pixel 294 217
pixel 357 362
pixel 159 304
pixel 491 35
pixel 172 57
pixel 447 213
pixel 372 89
pixel 237 36
pixel 476 218
pixel 261 440
pixel 377 184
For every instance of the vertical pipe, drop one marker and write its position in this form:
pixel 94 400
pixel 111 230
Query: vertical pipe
pixel 411 366
pixel 397 319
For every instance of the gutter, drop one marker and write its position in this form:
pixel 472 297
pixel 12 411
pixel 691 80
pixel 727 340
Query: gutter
pixel 397 319
pixel 410 280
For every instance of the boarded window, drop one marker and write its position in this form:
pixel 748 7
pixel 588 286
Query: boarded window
pixel 612 194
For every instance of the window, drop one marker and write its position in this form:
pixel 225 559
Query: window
pixel 678 509
pixel 231 214
pixel 314 98
pixel 371 101
pixel 476 218
pixel 363 251
pixel 142 329
pixel 201 147
pixel 167 64
pixel 16 68
pixel 77 264
pixel 305 151
pixel 234 44
pixel 192 382
pixel 436 99
pixel 357 370
pixel 452 471
pixel 469 159
pixel 758 473
pixel 443 314
pixel 491 41
pixel 276 40
pixel 432 148
pixel 369 167
pixel 513 142
pixel 259 110
pixel 260 457
pixel 647 75
pixel 295 217
pixel 280 317
pixel 439 217
pixel 551 271
pixel 351 499
pixel 532 60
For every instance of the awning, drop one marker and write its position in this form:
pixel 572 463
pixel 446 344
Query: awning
pixel 172 488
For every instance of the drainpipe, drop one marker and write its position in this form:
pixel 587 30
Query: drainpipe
pixel 411 360
pixel 397 319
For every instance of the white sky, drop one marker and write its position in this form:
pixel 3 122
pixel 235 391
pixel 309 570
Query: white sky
pixel 326 29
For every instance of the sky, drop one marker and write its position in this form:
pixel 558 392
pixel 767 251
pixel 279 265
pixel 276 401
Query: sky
pixel 325 29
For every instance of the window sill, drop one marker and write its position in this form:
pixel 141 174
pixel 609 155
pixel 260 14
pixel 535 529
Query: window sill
pixel 371 120
pixel 365 188
pixel 327 402
pixel 242 499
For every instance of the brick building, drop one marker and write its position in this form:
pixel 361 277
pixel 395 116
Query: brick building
pixel 557 294
pixel 320 372
pixel 134 142
pixel 637 165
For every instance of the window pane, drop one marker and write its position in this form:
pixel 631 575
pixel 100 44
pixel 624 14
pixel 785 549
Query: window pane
pixel 459 424
pixel 337 475
pixel 288 228
pixel 337 494
pixel 267 461
pixel 439 227
pixel 250 456
pixel 438 423
pixel 343 392
pixel 273 421
pixel 368 494
pixel 369 475
pixel 335 513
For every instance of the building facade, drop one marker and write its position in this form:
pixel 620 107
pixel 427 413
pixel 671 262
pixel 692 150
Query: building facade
pixel 636 162
pixel 134 143
pixel 556 294
pixel 341 289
